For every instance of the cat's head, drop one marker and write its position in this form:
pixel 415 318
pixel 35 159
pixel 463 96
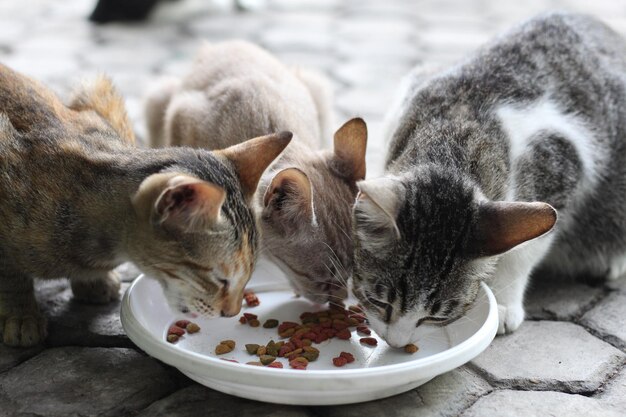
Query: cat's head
pixel 423 243
pixel 196 231
pixel 306 216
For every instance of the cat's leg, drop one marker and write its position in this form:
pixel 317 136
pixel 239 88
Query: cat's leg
pixel 157 101
pixel 96 287
pixel 21 323
pixel 511 278
pixel 321 90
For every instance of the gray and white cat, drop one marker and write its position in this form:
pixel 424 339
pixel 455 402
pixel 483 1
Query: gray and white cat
pixel 482 158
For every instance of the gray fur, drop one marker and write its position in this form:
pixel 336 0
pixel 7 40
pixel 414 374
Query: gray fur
pixel 451 154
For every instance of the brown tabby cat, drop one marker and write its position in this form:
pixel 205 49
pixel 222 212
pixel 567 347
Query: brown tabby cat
pixel 77 198
pixel 235 89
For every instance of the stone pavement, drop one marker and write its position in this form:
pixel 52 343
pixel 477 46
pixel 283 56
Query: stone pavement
pixel 568 359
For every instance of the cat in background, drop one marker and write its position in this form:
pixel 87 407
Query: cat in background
pixel 306 197
pixel 482 157
pixel 77 198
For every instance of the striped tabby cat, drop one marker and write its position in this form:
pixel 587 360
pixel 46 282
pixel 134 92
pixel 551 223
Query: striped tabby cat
pixel 482 158
pixel 77 198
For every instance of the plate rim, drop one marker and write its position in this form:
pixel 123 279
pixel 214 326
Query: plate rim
pixel 405 372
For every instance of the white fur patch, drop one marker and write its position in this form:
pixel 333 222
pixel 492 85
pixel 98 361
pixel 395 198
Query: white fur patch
pixel 522 123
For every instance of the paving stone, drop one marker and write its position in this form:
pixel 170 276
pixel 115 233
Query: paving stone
pixel 444 396
pixel 614 393
pixel 449 394
pixel 379 51
pixel 304 5
pixel 538 404
pixel 198 400
pixel 226 26
pixel 607 318
pixel 85 382
pixel 10 357
pixel 364 74
pixel 277 38
pixel 366 103
pixel 556 300
pixel 73 323
pixel 549 355
pixel 389 30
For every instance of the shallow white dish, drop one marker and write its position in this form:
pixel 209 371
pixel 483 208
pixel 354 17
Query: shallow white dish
pixel 377 372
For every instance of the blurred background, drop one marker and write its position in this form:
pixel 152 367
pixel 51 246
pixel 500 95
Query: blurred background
pixel 363 46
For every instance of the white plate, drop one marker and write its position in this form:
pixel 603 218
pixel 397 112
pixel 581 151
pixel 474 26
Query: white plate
pixel 377 372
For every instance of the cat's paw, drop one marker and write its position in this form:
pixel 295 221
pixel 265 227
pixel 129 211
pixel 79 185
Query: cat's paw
pixel 25 329
pixel 100 289
pixel 510 318
pixel 21 323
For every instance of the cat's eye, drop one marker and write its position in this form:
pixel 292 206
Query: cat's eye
pixel 432 320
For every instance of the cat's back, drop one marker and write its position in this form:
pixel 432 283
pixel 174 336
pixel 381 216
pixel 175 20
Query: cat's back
pixel 237 90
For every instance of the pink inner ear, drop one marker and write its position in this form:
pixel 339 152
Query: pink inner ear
pixel 176 199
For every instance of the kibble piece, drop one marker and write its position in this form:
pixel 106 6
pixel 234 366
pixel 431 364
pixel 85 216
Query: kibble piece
pixel 254 323
pixel 250 316
pixel 243 320
pixel 230 343
pixel 272 348
pixel 222 349
pixel 251 299
pixel 270 323
pixel 254 363
pixel 348 356
pixel 339 361
pixel 275 364
pixel 192 328
pixel 175 330
pixel 267 359
pixel 182 323
pixel 363 330
pixel 262 350
pixel 172 338
pixel 370 341
pixel 411 348
pixel 252 348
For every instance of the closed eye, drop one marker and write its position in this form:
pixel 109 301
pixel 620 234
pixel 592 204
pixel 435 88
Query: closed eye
pixel 378 303
pixel 433 320
pixel 224 283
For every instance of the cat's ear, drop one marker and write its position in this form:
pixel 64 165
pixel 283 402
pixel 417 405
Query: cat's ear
pixel 377 206
pixel 290 197
pixel 349 150
pixel 252 157
pixel 180 202
pixel 501 226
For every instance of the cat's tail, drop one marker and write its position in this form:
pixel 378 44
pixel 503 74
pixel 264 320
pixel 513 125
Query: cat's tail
pixel 157 102
pixel 100 96
pixel 322 93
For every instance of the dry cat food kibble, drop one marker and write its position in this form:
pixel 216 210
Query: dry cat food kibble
pixel 177 330
pixel 411 348
pixel 270 323
pixel 370 341
pixel 192 328
pixel 225 346
pixel 343 358
pixel 251 299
